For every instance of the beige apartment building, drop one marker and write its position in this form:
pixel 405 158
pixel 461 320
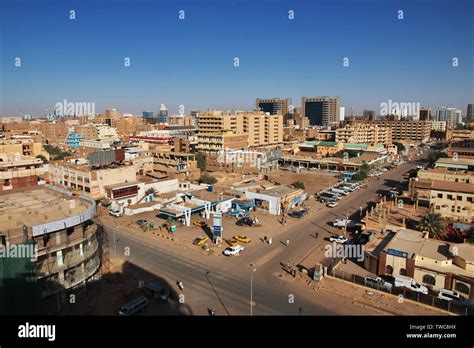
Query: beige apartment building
pixel 453 200
pixel 23 145
pixel 213 143
pixel 261 129
pixel 364 134
pixel 182 121
pixel 97 132
pixel 54 132
pixel 418 131
pixel 91 182
pixel 444 174
pixel 17 171
pixel 176 165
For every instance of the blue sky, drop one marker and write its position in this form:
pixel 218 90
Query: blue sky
pixel 190 62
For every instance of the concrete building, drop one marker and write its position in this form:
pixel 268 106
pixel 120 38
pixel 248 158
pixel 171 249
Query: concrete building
pixel 462 149
pixel 97 132
pixel 321 111
pixel 418 131
pixel 438 126
pixel 25 145
pixel 74 139
pixel 243 160
pixel 59 229
pixel 470 113
pixel 368 115
pixel 453 200
pixel 109 118
pixel 432 263
pixel 176 165
pixel 451 116
pixel 456 135
pixel 187 121
pixel 214 143
pixel 18 172
pixel 81 178
pixel 275 106
pixel 364 134
pixel 424 114
pixel 261 129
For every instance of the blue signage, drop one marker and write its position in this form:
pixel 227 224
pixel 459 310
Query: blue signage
pixel 397 253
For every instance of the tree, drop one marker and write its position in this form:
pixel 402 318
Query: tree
pixel 434 156
pixel 298 185
pixel 150 191
pixel 364 167
pixel 359 176
pixel 433 224
pixel 207 179
pixel 201 160
pixel 41 157
pixel 400 146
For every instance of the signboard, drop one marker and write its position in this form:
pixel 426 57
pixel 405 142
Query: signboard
pixel 217 227
pixel 397 253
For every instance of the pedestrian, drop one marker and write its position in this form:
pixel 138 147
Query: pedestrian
pixel 287 242
pixel 270 241
pixel 265 239
pixel 317 235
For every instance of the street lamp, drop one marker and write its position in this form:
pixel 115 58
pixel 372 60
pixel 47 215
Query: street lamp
pixel 251 291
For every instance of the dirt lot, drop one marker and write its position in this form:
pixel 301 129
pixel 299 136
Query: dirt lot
pixel 312 182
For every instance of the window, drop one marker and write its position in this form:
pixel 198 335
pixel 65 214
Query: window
pixel 389 269
pixel 403 271
pixel 461 287
pixel 440 195
pixel 451 197
pixel 429 279
pixel 459 198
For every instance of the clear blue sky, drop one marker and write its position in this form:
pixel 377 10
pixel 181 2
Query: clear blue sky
pixel 190 62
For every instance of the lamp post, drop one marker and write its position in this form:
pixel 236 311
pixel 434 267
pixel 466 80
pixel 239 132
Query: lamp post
pixel 251 291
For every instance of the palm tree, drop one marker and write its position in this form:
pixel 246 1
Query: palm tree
pixel 433 224
pixel 150 191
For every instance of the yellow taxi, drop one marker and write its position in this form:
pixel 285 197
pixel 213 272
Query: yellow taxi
pixel 200 241
pixel 200 223
pixel 243 239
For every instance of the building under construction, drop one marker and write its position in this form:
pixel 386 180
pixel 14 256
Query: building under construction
pixel 48 245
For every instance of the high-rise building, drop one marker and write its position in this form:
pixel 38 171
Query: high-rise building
pixel 369 115
pixel 451 116
pixel 275 106
pixel 162 114
pixel 424 114
pixel 470 113
pixel 321 111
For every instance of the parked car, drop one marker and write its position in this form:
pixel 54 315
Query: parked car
pixel 245 221
pixel 450 295
pixel 233 250
pixel 200 223
pixel 342 222
pixel 378 283
pixel 297 214
pixel 338 239
pixel 141 222
pixel 135 305
pixel 243 239
pixel 116 213
pixel 332 204
pixel 160 292
pixel 200 241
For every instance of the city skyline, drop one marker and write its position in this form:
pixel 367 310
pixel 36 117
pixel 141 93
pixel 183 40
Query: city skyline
pixel 190 61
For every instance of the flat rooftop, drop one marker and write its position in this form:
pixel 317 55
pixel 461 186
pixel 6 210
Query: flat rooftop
pixel 37 206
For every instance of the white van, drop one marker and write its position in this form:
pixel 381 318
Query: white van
pixel 406 282
pixel 339 191
pixel 133 306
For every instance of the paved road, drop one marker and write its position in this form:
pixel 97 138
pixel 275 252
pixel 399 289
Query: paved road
pixel 226 288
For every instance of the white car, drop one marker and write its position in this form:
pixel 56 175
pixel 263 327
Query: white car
pixel 332 205
pixel 341 222
pixel 338 239
pixel 450 295
pixel 115 213
pixel 233 250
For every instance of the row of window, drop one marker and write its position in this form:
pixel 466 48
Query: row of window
pixel 457 198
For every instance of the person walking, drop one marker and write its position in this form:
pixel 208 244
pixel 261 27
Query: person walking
pixel 316 235
pixel 287 242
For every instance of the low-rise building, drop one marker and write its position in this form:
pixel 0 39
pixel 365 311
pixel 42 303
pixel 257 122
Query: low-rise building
pixel 435 264
pixel 25 145
pixel 19 172
pixel 453 200
pixel 176 165
pixel 364 134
